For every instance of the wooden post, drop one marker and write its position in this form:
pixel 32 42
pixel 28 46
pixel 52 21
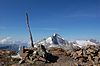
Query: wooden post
pixel 27 22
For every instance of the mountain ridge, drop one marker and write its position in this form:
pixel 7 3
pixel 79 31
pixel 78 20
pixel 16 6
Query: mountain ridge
pixel 54 40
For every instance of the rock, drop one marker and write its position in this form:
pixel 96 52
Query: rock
pixel 96 60
pixel 87 52
pixel 77 48
pixel 99 54
pixel 58 51
pixel 90 59
pixel 81 59
pixel 74 55
pixel 68 52
pixel 84 53
pixel 91 50
pixel 79 53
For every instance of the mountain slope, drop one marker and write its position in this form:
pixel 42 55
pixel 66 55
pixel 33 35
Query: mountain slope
pixel 53 41
pixel 82 43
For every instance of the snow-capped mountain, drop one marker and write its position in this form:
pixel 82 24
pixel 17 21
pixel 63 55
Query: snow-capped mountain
pixel 53 41
pixel 82 43
pixel 57 41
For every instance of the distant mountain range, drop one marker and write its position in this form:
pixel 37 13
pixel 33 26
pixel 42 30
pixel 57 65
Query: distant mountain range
pixel 54 40
pixel 57 41
pixel 9 44
pixel 14 47
pixel 82 43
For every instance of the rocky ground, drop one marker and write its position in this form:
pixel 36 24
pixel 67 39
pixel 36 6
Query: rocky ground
pixel 86 56
pixel 5 57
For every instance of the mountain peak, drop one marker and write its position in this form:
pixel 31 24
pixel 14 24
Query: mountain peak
pixel 55 34
pixel 54 39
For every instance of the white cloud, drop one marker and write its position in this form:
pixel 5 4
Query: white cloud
pixel 6 40
pixel 9 40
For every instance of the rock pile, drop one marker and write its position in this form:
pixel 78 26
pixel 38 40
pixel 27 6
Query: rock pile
pixel 5 57
pixel 86 56
pixel 34 54
pixel 7 52
pixel 57 51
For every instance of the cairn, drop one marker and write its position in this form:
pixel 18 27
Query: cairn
pixel 32 55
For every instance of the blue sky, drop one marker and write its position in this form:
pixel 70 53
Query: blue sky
pixel 72 19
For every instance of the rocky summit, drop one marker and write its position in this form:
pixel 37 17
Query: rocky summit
pixel 85 56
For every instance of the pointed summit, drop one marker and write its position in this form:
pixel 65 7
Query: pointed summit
pixel 57 39
pixel 54 39
pixel 56 35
